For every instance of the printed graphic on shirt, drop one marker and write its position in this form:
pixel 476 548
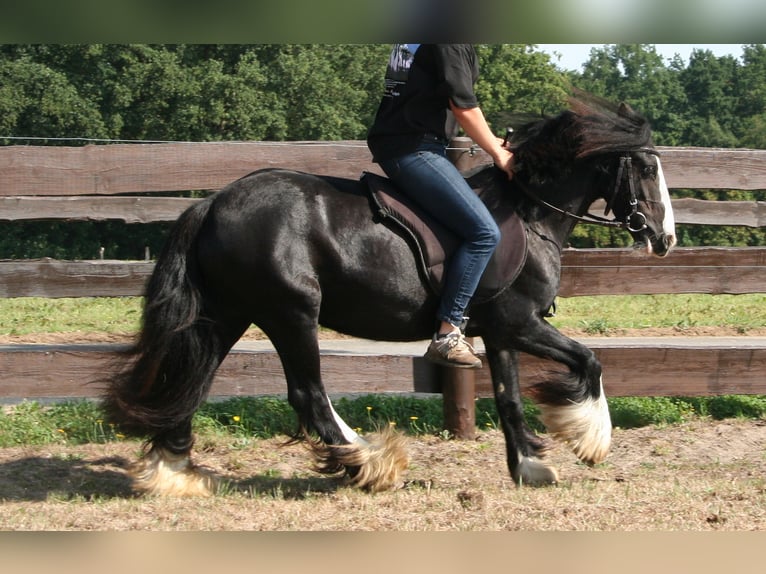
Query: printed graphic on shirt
pixel 399 68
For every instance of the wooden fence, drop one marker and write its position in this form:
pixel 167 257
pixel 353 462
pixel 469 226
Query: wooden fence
pixel 103 182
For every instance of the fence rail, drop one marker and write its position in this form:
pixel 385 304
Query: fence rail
pixel 714 270
pixel 124 182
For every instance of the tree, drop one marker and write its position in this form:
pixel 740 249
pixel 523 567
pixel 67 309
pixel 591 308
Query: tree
pixel 516 79
pixel 636 74
pixel 751 89
pixel 324 92
pixel 40 102
pixel 711 95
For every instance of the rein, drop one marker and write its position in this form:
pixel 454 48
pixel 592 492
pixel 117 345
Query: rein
pixel 634 222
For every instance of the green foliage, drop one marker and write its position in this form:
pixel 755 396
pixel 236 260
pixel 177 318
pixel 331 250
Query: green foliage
pixel 282 92
pixel 631 412
pixel 487 417
pixel 244 418
pixel 514 78
pixel 73 422
pixel 40 101
pixel 408 414
pixel 258 417
pixel 27 424
pixel 190 92
pixel 736 406
pixel 636 73
pixel 80 239
pixel 628 412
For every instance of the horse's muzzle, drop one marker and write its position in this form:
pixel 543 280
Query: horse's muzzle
pixel 657 245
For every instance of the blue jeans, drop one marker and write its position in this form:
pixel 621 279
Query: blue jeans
pixel 430 179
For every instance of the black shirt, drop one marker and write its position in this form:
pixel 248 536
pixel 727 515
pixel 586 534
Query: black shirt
pixel 421 79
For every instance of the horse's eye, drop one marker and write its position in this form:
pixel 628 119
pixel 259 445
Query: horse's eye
pixel 649 172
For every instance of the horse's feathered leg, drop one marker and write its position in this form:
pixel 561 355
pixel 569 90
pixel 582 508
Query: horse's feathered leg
pixel 523 449
pixel 373 463
pixel 573 407
pixel 170 367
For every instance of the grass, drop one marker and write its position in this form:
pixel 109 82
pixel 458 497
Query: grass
pixel 600 315
pixel 79 422
pixel 245 418
pixel 33 315
pixel 605 314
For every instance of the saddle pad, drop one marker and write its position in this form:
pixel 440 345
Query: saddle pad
pixel 433 244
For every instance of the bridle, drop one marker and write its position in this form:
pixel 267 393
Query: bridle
pixel 634 222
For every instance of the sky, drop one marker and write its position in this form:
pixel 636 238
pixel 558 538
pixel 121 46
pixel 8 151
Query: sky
pixel 573 56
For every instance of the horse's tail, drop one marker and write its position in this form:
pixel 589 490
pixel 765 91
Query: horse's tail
pixel 169 368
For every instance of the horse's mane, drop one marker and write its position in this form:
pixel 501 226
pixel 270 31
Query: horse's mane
pixel 547 147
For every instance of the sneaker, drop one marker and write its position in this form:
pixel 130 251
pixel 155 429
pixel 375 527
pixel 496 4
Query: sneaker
pixel 452 350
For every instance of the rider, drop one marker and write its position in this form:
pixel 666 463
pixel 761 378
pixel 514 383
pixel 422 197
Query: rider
pixel 428 96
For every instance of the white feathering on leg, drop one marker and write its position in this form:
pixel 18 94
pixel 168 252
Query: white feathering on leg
pixel 162 473
pixel 586 427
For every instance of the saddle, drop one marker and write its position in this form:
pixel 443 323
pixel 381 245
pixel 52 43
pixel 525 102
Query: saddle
pixel 433 244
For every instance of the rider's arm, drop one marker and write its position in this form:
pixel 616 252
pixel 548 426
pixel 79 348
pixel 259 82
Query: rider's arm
pixel 475 126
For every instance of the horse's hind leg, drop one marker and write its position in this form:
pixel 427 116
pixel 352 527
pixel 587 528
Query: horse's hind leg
pixel 375 464
pixel 166 468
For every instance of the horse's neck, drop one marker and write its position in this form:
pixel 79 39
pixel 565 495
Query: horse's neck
pixel 569 196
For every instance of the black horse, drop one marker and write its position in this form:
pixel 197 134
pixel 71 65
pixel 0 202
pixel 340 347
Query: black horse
pixel 290 251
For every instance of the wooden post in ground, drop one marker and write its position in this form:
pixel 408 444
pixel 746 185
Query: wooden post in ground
pixel 459 396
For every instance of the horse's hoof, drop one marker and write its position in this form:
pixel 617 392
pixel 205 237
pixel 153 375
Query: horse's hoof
pixel 385 460
pixel 533 472
pixel 375 464
pixel 162 473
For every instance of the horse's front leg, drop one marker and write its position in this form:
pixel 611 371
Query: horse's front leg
pixel 573 405
pixel 524 449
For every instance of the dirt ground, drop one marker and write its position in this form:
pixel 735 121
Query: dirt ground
pixel 703 475
pixel 697 476
pixel 255 334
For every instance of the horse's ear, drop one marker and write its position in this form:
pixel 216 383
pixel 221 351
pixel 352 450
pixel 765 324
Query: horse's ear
pixel 625 110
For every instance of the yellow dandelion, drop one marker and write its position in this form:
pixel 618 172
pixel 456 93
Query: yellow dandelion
pixel 369 409
pixel 235 418
pixel 413 418
pixel 62 431
pixel 392 423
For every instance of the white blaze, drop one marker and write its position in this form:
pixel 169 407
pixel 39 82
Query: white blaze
pixel 669 223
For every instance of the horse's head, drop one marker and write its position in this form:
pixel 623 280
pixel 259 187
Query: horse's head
pixel 612 143
pixel 641 201
pixel 639 196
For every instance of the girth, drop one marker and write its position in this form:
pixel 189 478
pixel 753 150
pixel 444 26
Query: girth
pixel 433 244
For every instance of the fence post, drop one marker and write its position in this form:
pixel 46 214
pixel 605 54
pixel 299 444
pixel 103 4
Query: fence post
pixel 459 400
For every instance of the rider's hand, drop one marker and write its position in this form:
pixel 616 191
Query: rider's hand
pixel 503 158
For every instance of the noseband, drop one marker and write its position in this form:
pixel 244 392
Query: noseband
pixel 634 221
